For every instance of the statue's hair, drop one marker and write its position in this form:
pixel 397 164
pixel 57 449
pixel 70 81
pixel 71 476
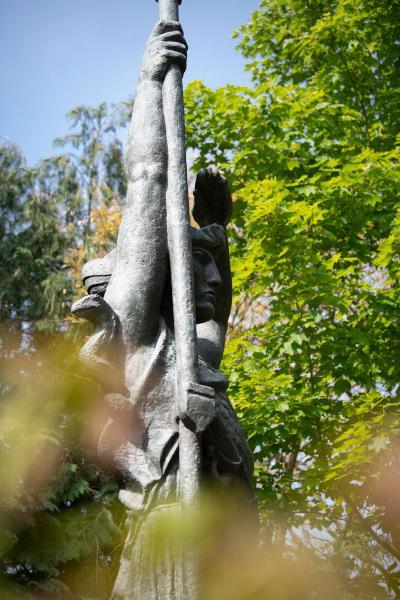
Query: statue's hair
pixel 211 238
pixel 97 273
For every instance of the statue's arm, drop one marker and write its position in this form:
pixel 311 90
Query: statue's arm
pixel 137 283
pixel 213 204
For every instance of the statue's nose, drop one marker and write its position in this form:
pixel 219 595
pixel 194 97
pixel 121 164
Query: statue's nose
pixel 214 278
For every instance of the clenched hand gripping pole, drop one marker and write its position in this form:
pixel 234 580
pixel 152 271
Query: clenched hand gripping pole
pixel 194 402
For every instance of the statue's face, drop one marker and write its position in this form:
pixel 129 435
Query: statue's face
pixel 206 283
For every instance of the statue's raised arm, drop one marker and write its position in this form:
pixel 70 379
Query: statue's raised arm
pixel 138 279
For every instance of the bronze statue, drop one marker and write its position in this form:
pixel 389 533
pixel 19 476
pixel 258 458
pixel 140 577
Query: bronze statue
pixel 133 303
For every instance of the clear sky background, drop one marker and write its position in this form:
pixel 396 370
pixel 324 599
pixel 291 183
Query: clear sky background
pixel 57 54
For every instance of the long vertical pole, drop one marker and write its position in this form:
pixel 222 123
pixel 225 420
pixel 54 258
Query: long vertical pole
pixel 180 252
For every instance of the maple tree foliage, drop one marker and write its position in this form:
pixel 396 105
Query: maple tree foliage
pixel 311 150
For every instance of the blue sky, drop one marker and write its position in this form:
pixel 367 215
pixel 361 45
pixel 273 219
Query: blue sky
pixel 56 54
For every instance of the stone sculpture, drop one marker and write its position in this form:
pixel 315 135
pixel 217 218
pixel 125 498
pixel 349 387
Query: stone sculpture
pixel 160 304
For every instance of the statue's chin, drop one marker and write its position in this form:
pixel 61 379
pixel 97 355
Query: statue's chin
pixel 204 312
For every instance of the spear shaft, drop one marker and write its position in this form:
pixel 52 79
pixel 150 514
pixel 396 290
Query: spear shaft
pixel 180 253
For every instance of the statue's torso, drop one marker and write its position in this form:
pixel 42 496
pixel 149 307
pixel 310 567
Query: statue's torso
pixel 151 454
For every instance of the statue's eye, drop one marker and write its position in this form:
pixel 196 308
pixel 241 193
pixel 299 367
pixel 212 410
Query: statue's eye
pixel 201 257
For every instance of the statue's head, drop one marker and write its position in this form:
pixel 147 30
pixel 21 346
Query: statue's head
pixel 207 243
